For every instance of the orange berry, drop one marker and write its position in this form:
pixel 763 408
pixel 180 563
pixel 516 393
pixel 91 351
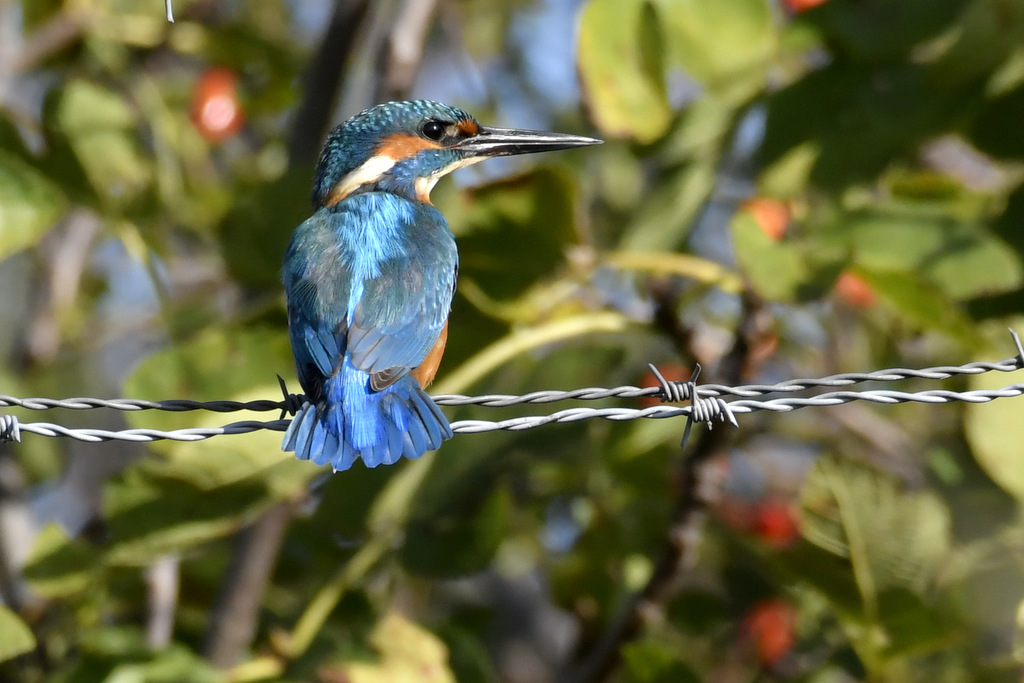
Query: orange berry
pixel 852 289
pixel 216 112
pixel 772 215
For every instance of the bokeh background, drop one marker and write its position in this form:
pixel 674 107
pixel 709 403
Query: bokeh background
pixel 788 189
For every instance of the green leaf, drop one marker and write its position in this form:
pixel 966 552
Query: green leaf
pixel 650 662
pixel 255 233
pixel 175 663
pixel 60 567
pixel 468 655
pixel 157 508
pixel 985 34
pixel 215 364
pixel 879 30
pixel 203 490
pixel 978 266
pixel 995 431
pixel 38 11
pixel 620 64
pixel 15 636
pixel 914 627
pixel 514 232
pixel 831 577
pixel 890 111
pixel 455 531
pixel 664 219
pixel 725 44
pixel 665 211
pixel 29 204
pixel 120 654
pixel 920 303
pixel 961 259
pixel 408 654
pixel 12 141
pixel 100 128
pixel 778 271
pixel 892 537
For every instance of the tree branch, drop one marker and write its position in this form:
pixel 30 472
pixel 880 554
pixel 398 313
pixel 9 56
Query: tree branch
pixel 684 532
pixel 162 579
pixel 403 50
pixel 323 81
pixel 235 616
pixel 60 265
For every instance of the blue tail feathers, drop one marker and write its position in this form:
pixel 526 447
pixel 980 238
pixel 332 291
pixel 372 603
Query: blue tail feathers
pixel 354 421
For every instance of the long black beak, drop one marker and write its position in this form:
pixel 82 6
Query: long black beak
pixel 500 142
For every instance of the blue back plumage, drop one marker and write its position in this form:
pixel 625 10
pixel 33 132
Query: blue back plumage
pixel 369 284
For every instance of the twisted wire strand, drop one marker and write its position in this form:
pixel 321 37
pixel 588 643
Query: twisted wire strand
pixel 134 404
pixel 707 404
pixel 715 410
pixel 742 391
pixel 538 397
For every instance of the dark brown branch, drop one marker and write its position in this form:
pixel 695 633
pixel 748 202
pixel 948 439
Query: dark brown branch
pixel 323 81
pixel 236 614
pixel 60 265
pixel 403 50
pixel 162 581
pixel 684 531
pixel 48 39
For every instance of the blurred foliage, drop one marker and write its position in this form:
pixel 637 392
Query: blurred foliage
pixel 788 187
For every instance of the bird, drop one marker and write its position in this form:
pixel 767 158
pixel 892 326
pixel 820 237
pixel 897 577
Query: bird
pixel 369 279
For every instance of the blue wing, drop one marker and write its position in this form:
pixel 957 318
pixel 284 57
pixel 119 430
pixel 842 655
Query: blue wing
pixel 400 315
pixel 373 277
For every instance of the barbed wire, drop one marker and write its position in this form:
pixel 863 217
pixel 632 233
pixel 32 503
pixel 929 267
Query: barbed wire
pixel 708 404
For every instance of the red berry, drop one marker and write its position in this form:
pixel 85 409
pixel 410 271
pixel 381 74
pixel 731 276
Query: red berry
pixel 771 626
pixel 776 524
pixel 855 291
pixel 216 111
pixel 797 6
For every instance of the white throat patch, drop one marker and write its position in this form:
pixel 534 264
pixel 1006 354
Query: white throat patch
pixel 425 184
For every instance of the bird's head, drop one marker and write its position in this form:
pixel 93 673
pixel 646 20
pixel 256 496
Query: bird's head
pixel 405 147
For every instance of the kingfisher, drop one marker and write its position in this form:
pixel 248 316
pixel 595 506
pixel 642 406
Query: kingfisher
pixel 369 279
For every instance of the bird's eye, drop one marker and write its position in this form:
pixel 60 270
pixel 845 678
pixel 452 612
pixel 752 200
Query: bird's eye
pixel 433 130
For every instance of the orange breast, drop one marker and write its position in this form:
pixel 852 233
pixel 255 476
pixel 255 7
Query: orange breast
pixel 424 374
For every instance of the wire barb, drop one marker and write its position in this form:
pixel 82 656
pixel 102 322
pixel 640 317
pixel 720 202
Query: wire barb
pixel 704 409
pixel 9 429
pixel 1020 349
pixel 707 403
pixel 691 389
pixel 292 403
pixel 673 391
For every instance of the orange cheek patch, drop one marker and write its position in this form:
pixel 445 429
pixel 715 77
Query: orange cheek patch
pixel 402 146
pixel 469 127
